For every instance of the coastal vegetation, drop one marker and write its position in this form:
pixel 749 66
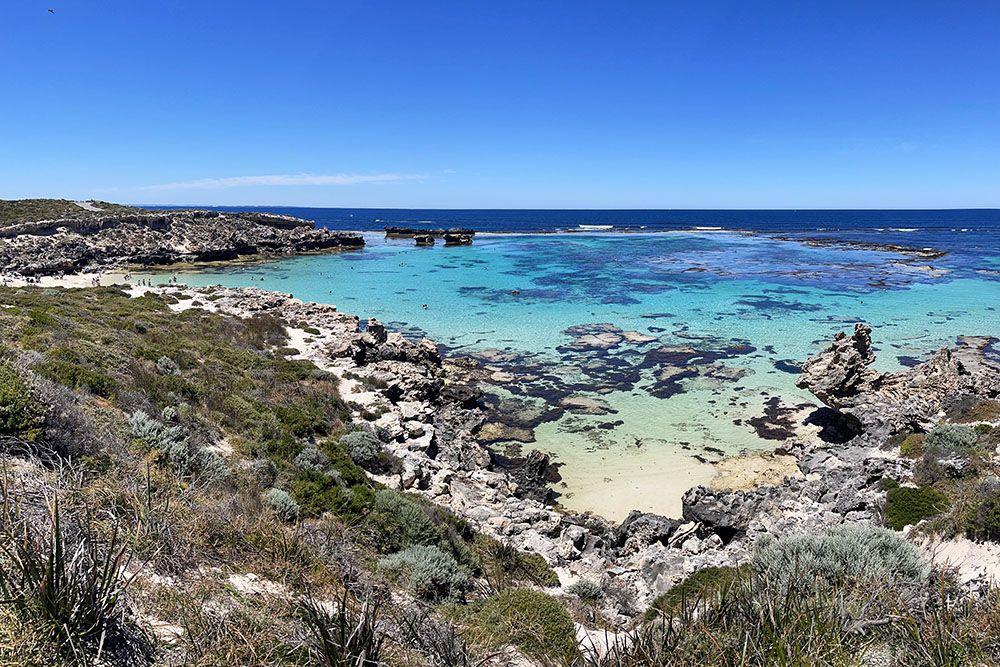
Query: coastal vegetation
pixel 16 211
pixel 178 488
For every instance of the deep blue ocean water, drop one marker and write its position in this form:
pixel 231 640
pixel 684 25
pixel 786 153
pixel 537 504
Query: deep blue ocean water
pixel 951 229
pixel 724 318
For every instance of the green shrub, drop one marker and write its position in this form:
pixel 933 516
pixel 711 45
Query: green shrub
pixel 21 414
pixel 317 492
pixel 912 446
pixel 363 447
pixel 531 620
pixel 907 506
pixel 586 590
pixel 704 583
pixel 401 521
pixel 983 522
pixel 76 376
pixel 850 556
pixel 281 503
pixel 429 572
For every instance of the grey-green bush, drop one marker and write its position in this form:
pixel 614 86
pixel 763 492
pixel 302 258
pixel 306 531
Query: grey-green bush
pixel 364 447
pixel 263 472
pixel 586 590
pixel 281 503
pixel 951 439
pixel 429 572
pixel 851 555
pixel 167 366
pixel 176 448
pixel 311 458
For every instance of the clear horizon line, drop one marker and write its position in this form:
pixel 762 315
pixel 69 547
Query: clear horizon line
pixel 579 208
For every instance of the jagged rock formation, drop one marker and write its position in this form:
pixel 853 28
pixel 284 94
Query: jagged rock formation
pixel 883 404
pixel 100 240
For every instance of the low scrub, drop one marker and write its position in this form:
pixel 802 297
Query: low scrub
pixel 704 583
pixel 428 571
pixel 847 556
pixel 21 415
pixel 534 622
pixel 908 506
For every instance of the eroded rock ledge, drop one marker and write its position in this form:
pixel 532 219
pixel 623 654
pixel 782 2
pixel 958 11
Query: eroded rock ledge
pixel 102 241
pixel 431 416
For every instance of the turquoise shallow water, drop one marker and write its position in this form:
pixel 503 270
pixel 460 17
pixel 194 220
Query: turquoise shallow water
pixel 731 317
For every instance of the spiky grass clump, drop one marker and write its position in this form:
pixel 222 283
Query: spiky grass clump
pixel 68 588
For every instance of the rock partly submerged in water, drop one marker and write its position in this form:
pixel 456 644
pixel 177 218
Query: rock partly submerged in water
pixel 884 404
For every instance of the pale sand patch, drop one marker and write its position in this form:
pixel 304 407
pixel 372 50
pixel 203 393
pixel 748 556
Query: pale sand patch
pixel 69 280
pixel 613 482
pixel 748 471
pixel 973 560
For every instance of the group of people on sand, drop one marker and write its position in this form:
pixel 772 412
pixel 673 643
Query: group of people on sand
pixel 148 282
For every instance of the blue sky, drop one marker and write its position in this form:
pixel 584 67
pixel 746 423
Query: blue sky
pixel 536 104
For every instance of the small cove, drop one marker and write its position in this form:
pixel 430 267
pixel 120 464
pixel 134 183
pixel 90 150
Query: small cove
pixel 698 332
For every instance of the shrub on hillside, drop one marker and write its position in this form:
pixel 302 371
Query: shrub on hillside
pixel 949 451
pixel 21 415
pixel 281 503
pixel 850 556
pixel 364 448
pixel 76 376
pixel 311 458
pixel 951 439
pixel 586 590
pixel 263 472
pixel 167 366
pixel 694 588
pixel 531 620
pixel 175 446
pixel 912 446
pixel 983 522
pixel 907 506
pixel 401 521
pixel 428 571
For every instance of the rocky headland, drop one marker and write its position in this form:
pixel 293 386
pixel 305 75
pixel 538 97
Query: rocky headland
pixel 95 239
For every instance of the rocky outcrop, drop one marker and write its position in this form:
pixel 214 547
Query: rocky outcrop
pixel 101 241
pixel 883 404
pixel 458 239
pixel 411 232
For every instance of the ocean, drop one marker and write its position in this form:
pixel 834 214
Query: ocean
pixel 634 359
